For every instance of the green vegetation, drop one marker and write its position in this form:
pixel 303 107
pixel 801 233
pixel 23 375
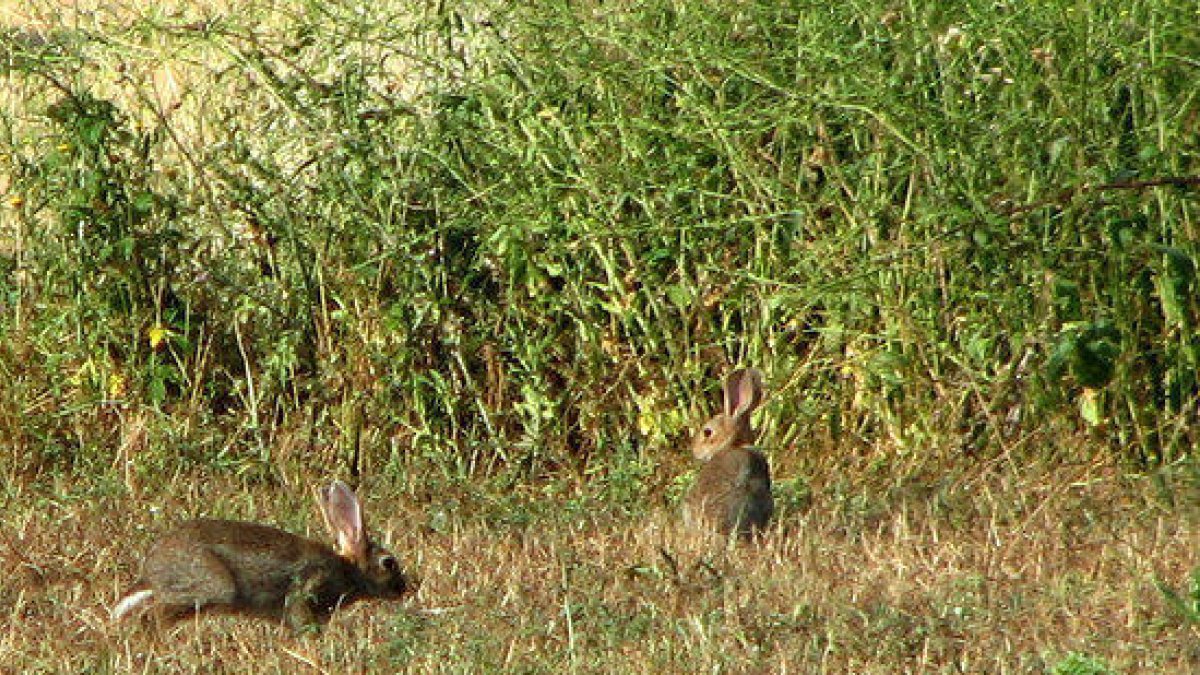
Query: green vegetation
pixel 1077 664
pixel 495 259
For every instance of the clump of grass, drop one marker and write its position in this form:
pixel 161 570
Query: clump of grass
pixel 1080 664
pixel 1184 602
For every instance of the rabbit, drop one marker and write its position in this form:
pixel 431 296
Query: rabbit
pixel 257 570
pixel 733 489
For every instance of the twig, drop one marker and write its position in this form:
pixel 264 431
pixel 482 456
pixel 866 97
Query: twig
pixel 1066 196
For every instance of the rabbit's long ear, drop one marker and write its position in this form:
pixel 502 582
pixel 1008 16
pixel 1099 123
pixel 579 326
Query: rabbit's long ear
pixel 743 392
pixel 343 516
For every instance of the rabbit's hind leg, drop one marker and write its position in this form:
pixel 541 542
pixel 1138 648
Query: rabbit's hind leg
pixel 188 581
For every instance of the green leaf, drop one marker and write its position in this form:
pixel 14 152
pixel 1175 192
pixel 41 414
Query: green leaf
pixel 680 295
pixel 1091 407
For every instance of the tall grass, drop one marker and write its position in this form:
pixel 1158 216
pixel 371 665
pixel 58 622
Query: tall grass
pixel 533 237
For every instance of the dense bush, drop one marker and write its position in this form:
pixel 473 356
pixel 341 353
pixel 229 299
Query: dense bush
pixel 536 235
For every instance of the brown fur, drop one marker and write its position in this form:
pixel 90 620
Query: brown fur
pixel 733 490
pixel 257 570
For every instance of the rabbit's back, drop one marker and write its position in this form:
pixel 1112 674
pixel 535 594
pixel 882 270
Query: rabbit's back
pixel 733 491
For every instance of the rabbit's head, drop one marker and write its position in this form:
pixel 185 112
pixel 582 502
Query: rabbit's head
pixel 380 571
pixel 731 427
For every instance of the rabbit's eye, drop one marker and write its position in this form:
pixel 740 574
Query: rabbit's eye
pixel 708 432
pixel 389 563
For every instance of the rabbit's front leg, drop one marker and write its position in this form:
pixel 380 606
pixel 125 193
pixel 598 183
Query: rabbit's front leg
pixel 300 605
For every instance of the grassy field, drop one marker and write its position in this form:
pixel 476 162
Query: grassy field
pixel 490 263
pixel 996 569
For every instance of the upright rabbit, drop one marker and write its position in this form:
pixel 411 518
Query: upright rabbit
pixel 257 570
pixel 733 490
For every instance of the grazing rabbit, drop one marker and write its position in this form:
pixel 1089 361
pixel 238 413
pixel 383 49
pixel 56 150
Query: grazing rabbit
pixel 733 490
pixel 257 570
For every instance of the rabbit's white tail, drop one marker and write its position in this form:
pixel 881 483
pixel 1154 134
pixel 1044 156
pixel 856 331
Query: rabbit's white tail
pixel 134 602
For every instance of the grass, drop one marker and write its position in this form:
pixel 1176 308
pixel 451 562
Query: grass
pixel 997 569
pixel 491 262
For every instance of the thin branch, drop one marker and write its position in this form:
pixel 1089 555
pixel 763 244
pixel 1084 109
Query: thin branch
pixel 1069 195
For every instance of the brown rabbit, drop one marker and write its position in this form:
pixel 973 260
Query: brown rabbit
pixel 733 490
pixel 246 568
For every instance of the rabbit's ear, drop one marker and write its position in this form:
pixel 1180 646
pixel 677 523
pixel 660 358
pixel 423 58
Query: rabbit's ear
pixel 343 516
pixel 743 392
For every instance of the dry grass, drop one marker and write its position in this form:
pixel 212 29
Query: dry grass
pixel 994 570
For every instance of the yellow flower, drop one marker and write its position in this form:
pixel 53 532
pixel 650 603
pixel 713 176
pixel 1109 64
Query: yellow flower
pixel 157 336
pixel 16 201
pixel 647 422
pixel 116 385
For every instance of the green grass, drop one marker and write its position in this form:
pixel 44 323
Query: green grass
pixel 495 260
pixel 512 236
